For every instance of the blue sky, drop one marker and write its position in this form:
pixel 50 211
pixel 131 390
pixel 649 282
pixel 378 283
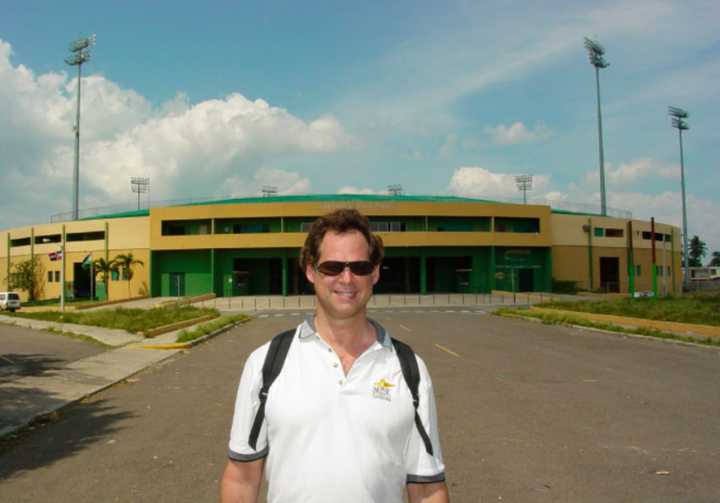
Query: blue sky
pixel 325 97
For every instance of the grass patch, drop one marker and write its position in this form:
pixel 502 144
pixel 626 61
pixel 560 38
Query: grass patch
pixel 210 327
pixel 132 320
pixel 563 319
pixel 702 309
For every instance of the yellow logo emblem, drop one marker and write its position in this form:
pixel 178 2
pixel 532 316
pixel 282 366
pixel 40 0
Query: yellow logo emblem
pixel 381 389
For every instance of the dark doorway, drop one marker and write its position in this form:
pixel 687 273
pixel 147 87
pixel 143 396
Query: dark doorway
pixel 399 275
pixel 81 281
pixel 257 276
pixel 525 280
pixel 610 274
pixel 298 283
pixel 177 284
pixel 448 274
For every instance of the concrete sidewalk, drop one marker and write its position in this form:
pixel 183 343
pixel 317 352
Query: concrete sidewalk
pixel 26 399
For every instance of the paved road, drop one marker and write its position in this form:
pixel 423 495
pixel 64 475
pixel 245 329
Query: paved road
pixel 528 413
pixel 26 352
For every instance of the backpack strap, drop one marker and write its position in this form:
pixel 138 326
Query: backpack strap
pixel 411 373
pixel 272 366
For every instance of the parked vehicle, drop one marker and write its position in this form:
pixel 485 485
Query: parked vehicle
pixel 9 301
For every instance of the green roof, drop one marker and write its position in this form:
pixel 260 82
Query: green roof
pixel 342 197
pixel 124 214
pixel 329 198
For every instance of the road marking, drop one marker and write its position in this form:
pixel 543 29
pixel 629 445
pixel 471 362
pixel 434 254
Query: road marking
pixel 443 348
pixel 405 328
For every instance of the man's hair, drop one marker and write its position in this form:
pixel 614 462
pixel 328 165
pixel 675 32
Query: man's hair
pixel 340 221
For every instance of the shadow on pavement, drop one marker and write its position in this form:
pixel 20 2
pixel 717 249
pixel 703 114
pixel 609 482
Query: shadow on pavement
pixel 17 365
pixel 63 434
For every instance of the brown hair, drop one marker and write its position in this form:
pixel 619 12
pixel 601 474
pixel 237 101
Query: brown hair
pixel 340 221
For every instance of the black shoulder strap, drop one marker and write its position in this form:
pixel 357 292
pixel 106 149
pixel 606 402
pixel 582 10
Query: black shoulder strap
pixel 411 373
pixel 272 366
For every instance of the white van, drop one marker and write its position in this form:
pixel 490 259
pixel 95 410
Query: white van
pixel 9 301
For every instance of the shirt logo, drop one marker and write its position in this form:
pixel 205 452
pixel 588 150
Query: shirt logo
pixel 381 389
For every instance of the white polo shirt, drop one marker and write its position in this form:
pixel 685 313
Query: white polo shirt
pixel 329 437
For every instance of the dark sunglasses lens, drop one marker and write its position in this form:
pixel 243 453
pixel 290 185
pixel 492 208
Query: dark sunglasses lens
pixel 362 268
pixel 331 268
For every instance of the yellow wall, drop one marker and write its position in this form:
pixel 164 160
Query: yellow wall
pixel 124 235
pixel 138 235
pixel 370 208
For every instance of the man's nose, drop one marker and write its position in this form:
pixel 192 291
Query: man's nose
pixel 346 275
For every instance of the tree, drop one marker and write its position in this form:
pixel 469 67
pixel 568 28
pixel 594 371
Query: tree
pixel 715 260
pixel 698 249
pixel 127 262
pixel 104 267
pixel 28 276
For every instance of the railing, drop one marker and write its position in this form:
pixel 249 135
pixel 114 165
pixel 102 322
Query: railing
pixel 145 205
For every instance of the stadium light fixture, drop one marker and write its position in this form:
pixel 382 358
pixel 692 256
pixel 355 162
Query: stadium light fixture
pixel 679 121
pixel 524 183
pixel 80 54
pixel 596 54
pixel 395 190
pixel 140 185
pixel 269 190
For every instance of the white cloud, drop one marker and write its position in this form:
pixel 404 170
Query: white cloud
pixel 517 133
pixel 286 182
pixel 473 181
pixel 636 170
pixel 212 147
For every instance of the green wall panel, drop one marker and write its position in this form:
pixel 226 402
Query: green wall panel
pixel 195 264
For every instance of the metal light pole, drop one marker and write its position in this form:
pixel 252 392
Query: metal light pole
pixel 679 122
pixel 141 185
pixel 596 53
pixel 80 55
pixel 524 183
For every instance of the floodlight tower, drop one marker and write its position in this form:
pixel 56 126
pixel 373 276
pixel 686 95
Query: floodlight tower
pixel 395 190
pixel 596 53
pixel 679 122
pixel 524 183
pixel 141 185
pixel 80 54
pixel 269 190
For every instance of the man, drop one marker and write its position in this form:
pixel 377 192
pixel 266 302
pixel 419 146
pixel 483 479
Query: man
pixel 339 422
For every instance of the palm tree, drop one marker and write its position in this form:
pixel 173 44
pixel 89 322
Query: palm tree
pixel 126 262
pixel 715 259
pixel 104 267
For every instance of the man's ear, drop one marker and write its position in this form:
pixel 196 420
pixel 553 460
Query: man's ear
pixel 310 273
pixel 376 274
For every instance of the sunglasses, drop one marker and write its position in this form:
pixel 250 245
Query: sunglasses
pixel 335 267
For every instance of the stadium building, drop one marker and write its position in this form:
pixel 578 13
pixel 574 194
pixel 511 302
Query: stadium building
pixel 250 246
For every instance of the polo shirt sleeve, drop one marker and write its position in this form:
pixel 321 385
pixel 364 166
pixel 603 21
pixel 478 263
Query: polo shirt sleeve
pixel 246 406
pixel 422 467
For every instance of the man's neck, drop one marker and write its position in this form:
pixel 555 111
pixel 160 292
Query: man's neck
pixel 351 336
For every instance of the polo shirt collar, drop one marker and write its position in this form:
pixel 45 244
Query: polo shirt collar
pixel 307 329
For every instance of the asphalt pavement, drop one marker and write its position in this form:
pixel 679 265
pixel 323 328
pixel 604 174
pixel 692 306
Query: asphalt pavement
pixel 528 412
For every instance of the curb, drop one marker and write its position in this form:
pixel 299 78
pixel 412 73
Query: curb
pixel 617 333
pixel 194 342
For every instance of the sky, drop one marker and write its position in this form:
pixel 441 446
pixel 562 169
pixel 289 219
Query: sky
pixel 218 99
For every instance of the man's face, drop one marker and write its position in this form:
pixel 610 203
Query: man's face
pixel 345 295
